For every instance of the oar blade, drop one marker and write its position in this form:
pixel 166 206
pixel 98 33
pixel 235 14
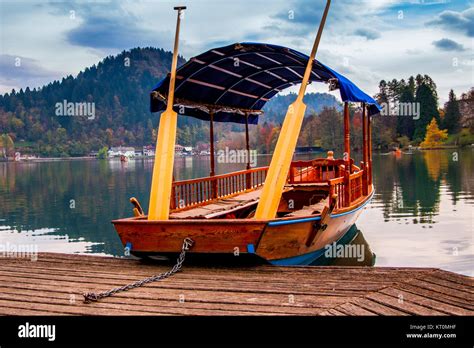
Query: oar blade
pixel 281 160
pixel 160 195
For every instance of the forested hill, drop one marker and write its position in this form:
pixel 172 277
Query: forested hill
pixel 119 87
pixel 276 108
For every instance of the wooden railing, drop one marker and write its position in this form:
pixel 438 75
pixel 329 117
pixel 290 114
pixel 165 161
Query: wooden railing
pixel 195 192
pixel 318 170
pixel 348 188
pixel 337 189
pixel 355 185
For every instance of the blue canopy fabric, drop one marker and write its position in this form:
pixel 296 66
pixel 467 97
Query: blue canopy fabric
pixel 236 81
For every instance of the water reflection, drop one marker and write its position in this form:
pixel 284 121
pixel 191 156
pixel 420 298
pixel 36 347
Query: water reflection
pixel 421 214
pixel 410 186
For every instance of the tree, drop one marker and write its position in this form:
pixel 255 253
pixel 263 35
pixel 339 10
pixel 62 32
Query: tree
pixel 6 145
pixel 102 154
pixel 434 136
pixel 331 129
pixel 452 115
pixel 427 100
pixel 406 123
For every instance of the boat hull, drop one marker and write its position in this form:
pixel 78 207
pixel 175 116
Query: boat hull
pixel 285 242
pixel 281 242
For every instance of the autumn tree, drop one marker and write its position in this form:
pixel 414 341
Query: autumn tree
pixel 434 136
pixel 6 145
pixel 331 129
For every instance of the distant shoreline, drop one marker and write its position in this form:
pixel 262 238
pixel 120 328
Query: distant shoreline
pixel 57 159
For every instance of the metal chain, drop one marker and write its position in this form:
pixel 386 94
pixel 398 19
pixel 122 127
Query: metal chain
pixel 93 297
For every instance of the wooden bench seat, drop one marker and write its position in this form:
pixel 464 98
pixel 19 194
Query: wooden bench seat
pixel 220 207
pixel 311 209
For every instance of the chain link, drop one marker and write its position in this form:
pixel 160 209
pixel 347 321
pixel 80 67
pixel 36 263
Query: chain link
pixel 93 297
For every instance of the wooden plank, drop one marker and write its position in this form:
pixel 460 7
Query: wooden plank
pixel 291 303
pixel 402 305
pixel 437 296
pixel 353 309
pixel 427 302
pixel 175 283
pixel 152 306
pixel 448 284
pixel 376 307
pixel 454 277
pixel 331 280
pixel 460 295
pixel 365 283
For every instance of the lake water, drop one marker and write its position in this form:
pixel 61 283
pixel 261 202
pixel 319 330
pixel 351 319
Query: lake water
pixel 421 214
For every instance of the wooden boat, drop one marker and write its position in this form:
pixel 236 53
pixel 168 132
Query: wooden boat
pixel 286 213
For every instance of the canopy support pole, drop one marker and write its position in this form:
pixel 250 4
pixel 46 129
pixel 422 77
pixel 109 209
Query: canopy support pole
pixel 369 148
pixel 364 150
pixel 247 143
pixel 211 142
pixel 248 177
pixel 347 155
pixel 162 179
pixel 280 165
pixel 347 137
pixel 213 170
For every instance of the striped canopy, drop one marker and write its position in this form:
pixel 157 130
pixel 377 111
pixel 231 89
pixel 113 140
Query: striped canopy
pixel 234 82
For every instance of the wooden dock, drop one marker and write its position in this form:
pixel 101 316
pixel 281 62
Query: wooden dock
pixel 53 285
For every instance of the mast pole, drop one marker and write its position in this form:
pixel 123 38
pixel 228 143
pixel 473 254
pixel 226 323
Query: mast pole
pixel 162 179
pixel 285 147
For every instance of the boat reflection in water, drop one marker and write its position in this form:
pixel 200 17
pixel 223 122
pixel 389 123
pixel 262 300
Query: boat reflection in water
pixel 351 250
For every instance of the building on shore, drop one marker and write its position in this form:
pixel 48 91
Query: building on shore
pixel 121 151
pixel 148 151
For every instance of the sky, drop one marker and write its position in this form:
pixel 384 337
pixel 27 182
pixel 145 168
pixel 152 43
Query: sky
pixel 365 40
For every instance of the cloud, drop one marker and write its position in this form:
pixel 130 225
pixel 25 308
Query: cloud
pixel 20 72
pixel 109 26
pixel 448 45
pixel 369 34
pixel 104 32
pixel 455 21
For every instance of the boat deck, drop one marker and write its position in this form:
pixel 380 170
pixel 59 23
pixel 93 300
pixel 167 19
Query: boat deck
pixel 221 206
pixel 53 285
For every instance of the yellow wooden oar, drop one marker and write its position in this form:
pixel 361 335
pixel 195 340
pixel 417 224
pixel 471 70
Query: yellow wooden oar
pixel 160 194
pixel 285 147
